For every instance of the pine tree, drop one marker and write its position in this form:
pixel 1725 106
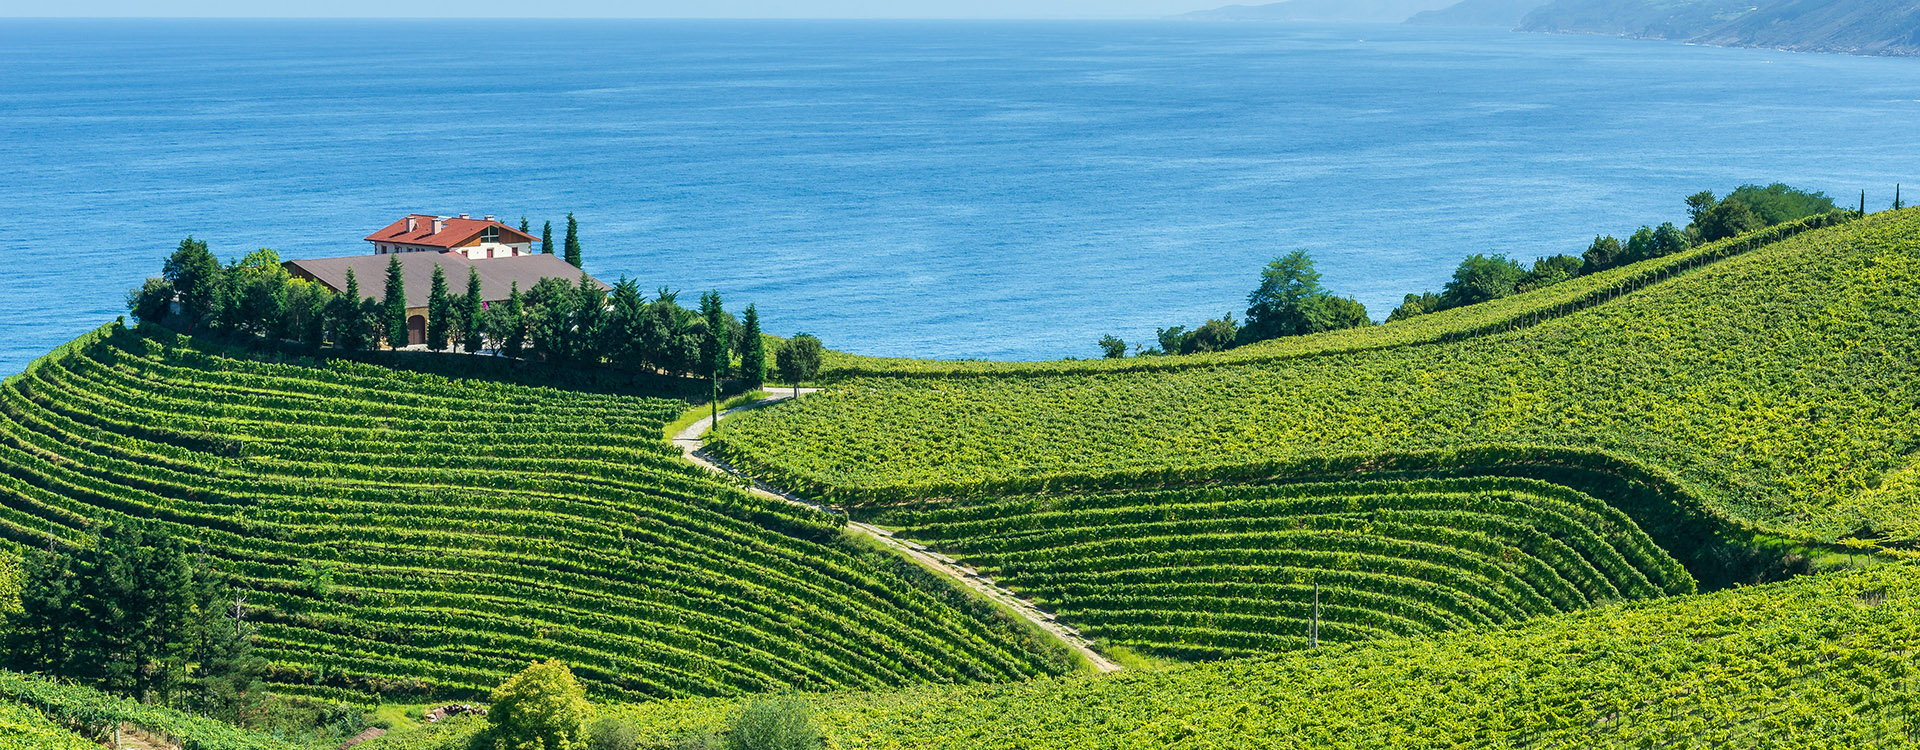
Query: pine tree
pixel 393 309
pixel 439 312
pixel 344 322
pixel 573 241
pixel 590 323
pixel 195 276
pixel 472 316
pixel 525 228
pixel 510 324
pixel 753 349
pixel 546 239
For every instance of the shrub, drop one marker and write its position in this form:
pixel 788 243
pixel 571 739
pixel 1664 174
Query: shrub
pixel 613 734
pixel 774 724
pixel 542 708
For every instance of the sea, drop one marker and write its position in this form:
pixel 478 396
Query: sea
pixel 997 190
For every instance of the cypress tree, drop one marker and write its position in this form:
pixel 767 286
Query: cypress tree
pixel 753 349
pixel 472 315
pixel 573 241
pixel 525 228
pixel 546 239
pixel 393 309
pixel 715 349
pixel 344 320
pixel 439 312
pixel 1863 203
pixel 510 324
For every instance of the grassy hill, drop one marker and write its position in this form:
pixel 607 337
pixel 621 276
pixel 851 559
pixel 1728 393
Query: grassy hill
pixel 405 536
pixel 1778 388
pixel 1822 662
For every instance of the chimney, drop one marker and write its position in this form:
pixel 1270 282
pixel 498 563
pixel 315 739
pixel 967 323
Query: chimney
pixel 463 216
pixel 439 225
pixel 412 224
pixel 490 218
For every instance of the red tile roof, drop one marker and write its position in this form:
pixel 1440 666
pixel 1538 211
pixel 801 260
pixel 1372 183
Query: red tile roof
pixel 452 233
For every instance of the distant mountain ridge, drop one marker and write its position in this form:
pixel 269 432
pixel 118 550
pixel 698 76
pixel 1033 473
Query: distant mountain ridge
pixel 1365 11
pixel 1505 14
pixel 1862 27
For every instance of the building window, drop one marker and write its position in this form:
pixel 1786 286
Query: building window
pixel 490 234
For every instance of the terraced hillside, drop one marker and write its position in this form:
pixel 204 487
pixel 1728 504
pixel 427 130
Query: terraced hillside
pixel 1226 571
pixel 1817 662
pixel 1776 388
pixel 23 728
pixel 404 535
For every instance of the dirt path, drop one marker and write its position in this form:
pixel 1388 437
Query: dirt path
pixel 693 438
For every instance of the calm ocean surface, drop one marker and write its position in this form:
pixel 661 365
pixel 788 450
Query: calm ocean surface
pixel 995 190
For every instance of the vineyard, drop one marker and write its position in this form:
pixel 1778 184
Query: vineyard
pixel 1492 316
pixel 23 728
pixel 1237 570
pixel 401 535
pixel 1820 662
pixel 1776 388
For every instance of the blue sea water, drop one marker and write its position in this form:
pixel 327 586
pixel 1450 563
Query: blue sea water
pixel 994 190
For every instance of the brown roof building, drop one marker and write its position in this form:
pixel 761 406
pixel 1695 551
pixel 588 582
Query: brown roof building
pixel 499 271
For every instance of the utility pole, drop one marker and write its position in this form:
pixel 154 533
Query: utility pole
pixel 1313 633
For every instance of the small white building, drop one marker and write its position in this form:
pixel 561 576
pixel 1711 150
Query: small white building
pixel 475 238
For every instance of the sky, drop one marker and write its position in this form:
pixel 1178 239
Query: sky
pixel 611 8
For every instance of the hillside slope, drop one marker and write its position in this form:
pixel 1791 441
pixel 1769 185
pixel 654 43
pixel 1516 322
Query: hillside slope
pixel 1813 663
pixel 1779 387
pixel 1361 11
pixel 1873 27
pixel 406 536
pixel 1505 14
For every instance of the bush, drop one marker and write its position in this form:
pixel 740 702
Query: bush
pixel 542 708
pixel 774 724
pixel 613 734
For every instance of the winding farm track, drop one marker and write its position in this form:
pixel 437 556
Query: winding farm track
pixel 692 439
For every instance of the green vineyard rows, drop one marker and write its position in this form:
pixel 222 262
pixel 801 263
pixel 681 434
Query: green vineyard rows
pixel 405 536
pixel 1777 388
pixel 1493 316
pixel 1817 662
pixel 1234 570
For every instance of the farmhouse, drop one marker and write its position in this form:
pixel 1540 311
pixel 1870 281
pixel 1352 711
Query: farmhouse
pixel 502 256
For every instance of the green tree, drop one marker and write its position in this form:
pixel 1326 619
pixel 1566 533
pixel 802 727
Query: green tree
pixel 573 241
pixel 799 360
pixel 508 323
pixel 228 678
pixel 778 723
pixel 393 307
pixel 472 314
pixel 716 348
pixel 1604 253
pixel 151 302
pixel 551 305
pixel 1551 270
pixel 1699 204
pixel 546 238
pixel 1113 347
pixel 590 322
pixel 626 319
pixel 753 349
pixel 439 312
pixel 1216 335
pixel 1482 277
pixel 194 274
pixel 1415 305
pixel 346 318
pixel 525 228
pixel 1731 218
pixel 307 309
pixel 1779 203
pixel 1329 313
pixel 1669 239
pixel 541 708
pixel 256 296
pixel 1640 246
pixel 1172 340
pixel 1274 309
pixel 116 615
